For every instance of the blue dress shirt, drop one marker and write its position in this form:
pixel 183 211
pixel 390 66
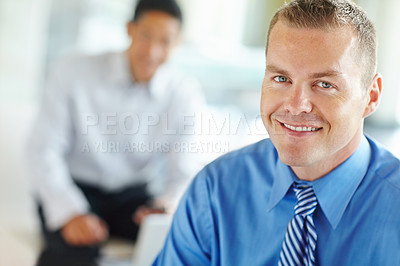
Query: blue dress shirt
pixel 237 210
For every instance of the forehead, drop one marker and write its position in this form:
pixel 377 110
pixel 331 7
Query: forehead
pixel 156 17
pixel 304 47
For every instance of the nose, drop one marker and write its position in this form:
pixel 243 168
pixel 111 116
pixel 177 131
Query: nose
pixel 298 100
pixel 153 51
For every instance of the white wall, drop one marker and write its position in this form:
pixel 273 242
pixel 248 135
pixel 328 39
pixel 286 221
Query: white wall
pixel 384 14
pixel 23 37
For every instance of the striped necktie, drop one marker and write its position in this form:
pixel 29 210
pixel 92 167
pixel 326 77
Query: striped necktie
pixel 301 237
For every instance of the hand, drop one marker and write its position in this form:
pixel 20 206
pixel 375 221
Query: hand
pixel 85 230
pixel 143 211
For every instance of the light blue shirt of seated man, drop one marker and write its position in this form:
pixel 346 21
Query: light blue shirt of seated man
pixel 237 210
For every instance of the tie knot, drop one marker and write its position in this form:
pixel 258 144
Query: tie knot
pixel 306 200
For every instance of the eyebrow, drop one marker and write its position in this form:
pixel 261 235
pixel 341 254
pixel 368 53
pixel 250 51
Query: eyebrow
pixel 275 69
pixel 328 73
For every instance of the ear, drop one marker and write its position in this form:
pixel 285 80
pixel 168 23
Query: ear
pixel 374 95
pixel 130 27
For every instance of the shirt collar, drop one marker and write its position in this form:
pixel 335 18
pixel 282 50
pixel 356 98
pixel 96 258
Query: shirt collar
pixel 158 85
pixel 335 190
pixel 284 178
pixel 120 70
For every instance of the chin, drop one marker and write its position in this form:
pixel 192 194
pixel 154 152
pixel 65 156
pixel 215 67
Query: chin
pixel 145 77
pixel 295 157
pixel 292 160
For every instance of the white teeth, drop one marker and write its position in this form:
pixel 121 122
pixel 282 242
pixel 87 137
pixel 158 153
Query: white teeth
pixel 300 129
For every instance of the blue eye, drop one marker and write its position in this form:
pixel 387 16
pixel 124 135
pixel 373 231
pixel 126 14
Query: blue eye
pixel 281 79
pixel 325 85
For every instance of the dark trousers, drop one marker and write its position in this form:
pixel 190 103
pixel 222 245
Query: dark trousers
pixel 116 209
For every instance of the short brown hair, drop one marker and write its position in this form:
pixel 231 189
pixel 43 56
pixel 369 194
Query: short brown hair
pixel 329 14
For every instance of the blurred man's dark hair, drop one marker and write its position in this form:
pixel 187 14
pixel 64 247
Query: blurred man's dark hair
pixel 170 7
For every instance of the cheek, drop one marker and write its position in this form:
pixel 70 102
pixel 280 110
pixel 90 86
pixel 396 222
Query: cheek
pixel 265 107
pixel 164 55
pixel 270 102
pixel 344 117
pixel 136 50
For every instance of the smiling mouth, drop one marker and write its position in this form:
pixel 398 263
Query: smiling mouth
pixel 301 129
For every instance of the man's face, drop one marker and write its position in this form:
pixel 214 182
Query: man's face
pixel 153 37
pixel 312 101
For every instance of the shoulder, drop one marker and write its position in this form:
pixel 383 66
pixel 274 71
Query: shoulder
pixel 172 77
pixel 182 92
pixel 80 64
pixel 256 161
pixel 385 165
pixel 253 152
pixel 170 71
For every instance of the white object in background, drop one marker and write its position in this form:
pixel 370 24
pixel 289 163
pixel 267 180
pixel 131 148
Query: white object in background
pixel 151 238
pixel 13 252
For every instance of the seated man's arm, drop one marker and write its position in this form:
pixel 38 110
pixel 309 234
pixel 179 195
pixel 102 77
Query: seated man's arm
pixel 49 143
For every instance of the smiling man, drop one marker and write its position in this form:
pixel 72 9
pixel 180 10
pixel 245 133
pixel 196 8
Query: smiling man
pixel 314 96
pixel 318 192
pixel 102 153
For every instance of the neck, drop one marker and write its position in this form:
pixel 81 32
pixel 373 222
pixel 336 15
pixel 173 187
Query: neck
pixel 133 71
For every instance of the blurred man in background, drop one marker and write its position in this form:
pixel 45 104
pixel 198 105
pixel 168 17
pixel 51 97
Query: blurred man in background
pixel 104 152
